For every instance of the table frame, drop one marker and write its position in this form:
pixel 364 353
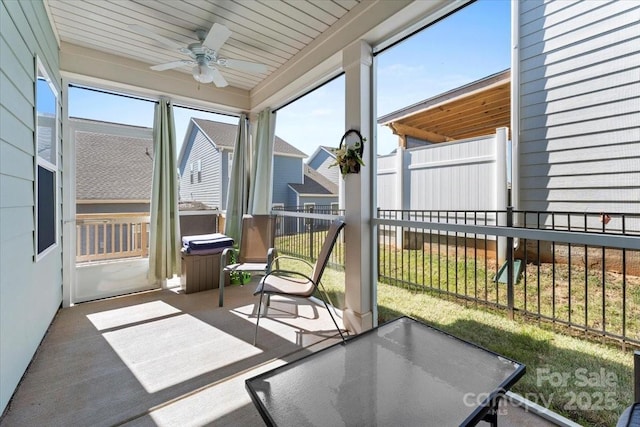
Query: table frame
pixel 487 410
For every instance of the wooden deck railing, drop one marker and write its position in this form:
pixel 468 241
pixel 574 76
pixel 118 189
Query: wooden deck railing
pixel 111 236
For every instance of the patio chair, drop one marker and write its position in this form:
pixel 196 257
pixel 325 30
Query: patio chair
pixel 255 252
pixel 295 283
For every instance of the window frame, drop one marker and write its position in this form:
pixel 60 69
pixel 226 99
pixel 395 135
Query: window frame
pixel 42 82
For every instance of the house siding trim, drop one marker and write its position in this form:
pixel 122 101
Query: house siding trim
pixel 25 33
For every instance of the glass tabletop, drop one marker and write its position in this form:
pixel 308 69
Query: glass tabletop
pixel 401 373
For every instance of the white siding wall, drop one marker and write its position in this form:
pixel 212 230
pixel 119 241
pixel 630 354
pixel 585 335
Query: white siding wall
pixel 322 163
pixel 579 82
pixel 209 189
pixel 30 292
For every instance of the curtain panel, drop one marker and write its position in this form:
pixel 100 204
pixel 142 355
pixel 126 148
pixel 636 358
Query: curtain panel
pixel 237 196
pixel 164 227
pixel 261 190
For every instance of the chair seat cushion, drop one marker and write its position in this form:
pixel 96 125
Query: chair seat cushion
pixel 296 286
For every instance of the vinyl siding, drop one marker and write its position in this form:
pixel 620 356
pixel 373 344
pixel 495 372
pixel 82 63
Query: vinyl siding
pixel 209 189
pixel 579 82
pixel 321 163
pixel 387 182
pixel 286 170
pixel 30 291
pixel 454 175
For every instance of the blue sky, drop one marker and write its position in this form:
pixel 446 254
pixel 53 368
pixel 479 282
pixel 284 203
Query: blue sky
pixel 468 45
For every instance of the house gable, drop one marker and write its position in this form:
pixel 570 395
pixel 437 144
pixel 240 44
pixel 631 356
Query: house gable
pixel 201 169
pixel 321 160
pixel 211 145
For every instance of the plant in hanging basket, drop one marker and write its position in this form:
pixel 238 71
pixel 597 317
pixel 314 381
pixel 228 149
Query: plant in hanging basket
pixel 349 157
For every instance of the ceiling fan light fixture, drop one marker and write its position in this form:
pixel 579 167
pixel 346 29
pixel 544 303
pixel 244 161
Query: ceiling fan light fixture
pixel 202 73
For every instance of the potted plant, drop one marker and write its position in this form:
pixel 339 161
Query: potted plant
pixel 349 157
pixel 237 277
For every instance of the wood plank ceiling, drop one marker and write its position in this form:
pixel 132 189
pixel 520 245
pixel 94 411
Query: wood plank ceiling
pixel 267 32
pixel 473 110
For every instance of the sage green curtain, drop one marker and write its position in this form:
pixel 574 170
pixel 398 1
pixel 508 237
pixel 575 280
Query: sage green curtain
pixel 164 227
pixel 237 196
pixel 262 164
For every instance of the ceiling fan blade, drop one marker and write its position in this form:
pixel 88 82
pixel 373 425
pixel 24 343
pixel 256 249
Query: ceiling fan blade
pixel 246 66
pixel 218 80
pixel 170 65
pixel 218 34
pixel 162 39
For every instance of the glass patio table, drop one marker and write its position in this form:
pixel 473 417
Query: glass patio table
pixel 402 373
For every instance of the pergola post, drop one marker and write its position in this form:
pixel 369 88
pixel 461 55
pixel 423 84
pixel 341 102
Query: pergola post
pixel 359 287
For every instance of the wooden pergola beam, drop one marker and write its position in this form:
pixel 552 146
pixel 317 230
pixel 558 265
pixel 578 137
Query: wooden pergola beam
pixel 403 131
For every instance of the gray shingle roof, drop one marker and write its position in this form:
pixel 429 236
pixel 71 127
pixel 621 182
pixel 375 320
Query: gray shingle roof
pixel 314 183
pixel 113 166
pixel 224 135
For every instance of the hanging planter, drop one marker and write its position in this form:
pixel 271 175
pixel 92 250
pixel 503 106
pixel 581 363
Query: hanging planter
pixel 349 157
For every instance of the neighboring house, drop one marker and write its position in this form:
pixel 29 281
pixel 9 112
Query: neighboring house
pixel 316 190
pixel 205 163
pixel 316 194
pixel 321 160
pixel 114 167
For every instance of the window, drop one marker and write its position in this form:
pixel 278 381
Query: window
pixel 335 208
pixel 199 170
pixel 46 162
pixel 229 164
pixel 191 172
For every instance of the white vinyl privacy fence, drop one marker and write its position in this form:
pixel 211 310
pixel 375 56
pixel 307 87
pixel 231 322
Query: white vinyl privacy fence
pixel 448 179
pixel 462 175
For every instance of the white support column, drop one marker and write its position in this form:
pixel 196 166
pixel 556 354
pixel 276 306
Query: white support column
pixel 68 204
pixel 358 314
pixel 501 187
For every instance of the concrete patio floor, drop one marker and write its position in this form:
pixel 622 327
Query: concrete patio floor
pixel 164 358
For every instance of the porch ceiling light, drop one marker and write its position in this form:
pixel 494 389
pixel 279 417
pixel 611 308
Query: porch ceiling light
pixel 202 73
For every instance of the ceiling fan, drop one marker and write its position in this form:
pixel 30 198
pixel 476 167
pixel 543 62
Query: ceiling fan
pixel 203 55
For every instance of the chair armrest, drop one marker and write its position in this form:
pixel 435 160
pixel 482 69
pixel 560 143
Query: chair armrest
pixel 272 254
pixel 224 257
pixel 277 259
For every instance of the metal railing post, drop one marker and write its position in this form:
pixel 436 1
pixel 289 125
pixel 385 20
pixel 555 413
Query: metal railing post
pixel 510 267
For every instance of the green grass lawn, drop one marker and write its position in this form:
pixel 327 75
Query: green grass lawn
pixel 553 291
pixel 585 381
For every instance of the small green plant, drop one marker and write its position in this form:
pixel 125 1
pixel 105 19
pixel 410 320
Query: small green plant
pixel 237 277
